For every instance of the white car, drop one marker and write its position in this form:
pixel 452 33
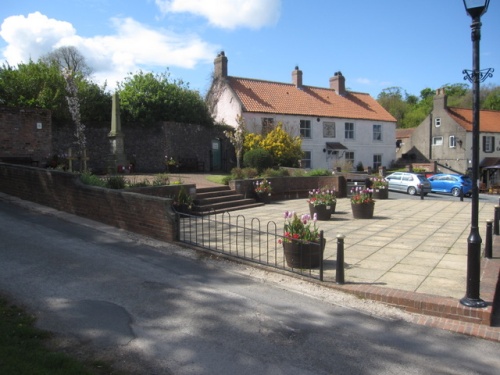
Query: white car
pixel 406 182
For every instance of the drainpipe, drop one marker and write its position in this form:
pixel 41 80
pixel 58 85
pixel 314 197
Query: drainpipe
pixel 430 137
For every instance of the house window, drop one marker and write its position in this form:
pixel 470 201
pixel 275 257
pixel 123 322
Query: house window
pixel 349 157
pixel 306 161
pixel 377 132
pixel 305 128
pixel 349 130
pixel 377 161
pixel 437 141
pixel 437 122
pixel 488 143
pixel 452 141
pixel 328 129
pixel 267 125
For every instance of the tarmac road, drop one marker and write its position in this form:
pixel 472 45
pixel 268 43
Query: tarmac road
pixel 157 308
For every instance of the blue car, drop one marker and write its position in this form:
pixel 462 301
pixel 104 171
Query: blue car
pixel 451 184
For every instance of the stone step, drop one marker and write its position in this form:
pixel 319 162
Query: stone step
pixel 220 199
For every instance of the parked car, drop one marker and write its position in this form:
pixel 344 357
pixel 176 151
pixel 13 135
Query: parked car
pixel 411 183
pixel 451 184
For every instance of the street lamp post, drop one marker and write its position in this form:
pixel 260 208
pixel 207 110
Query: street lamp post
pixel 475 9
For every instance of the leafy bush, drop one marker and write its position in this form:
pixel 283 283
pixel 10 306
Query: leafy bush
pixel 143 183
pixel 90 179
pixel 250 172
pixel 115 182
pixel 280 172
pixel 161 179
pixel 360 167
pixel 236 174
pixel 319 172
pixel 258 158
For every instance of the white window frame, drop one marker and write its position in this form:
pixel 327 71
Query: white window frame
pixel 329 130
pixel 488 143
pixel 306 160
pixel 349 130
pixel 349 157
pixel 437 141
pixel 377 132
pixel 267 124
pixel 377 161
pixel 437 122
pixel 305 128
pixel 452 141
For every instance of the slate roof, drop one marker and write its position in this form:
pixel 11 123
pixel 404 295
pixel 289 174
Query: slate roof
pixel 489 121
pixel 260 96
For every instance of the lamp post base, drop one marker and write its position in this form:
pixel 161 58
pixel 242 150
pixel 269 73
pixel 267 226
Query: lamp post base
pixel 472 302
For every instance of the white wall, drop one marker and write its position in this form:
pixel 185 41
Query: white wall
pixel 362 145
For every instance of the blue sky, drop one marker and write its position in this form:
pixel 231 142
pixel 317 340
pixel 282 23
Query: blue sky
pixel 375 44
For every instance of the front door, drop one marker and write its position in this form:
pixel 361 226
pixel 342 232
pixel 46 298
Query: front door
pixel 216 155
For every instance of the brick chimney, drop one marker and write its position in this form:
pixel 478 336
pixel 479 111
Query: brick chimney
pixel 297 77
pixel 220 65
pixel 440 100
pixel 337 83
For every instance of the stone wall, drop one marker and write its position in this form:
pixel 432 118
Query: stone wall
pixel 147 147
pixel 146 215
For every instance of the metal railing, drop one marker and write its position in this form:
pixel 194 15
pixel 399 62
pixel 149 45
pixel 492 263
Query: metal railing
pixel 238 237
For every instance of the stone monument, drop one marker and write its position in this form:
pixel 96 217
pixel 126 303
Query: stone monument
pixel 117 159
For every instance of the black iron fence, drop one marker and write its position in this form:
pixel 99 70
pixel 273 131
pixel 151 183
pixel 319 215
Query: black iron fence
pixel 234 235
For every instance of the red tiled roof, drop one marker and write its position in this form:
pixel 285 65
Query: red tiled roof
pixel 404 132
pixel 489 121
pixel 286 99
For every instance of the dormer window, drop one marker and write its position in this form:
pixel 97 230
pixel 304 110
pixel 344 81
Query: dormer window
pixel 437 122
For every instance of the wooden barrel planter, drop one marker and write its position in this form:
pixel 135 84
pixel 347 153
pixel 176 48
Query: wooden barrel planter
pixel 380 194
pixel 322 211
pixel 303 255
pixel 363 210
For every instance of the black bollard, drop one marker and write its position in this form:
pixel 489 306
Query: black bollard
pixel 488 249
pixel 496 229
pixel 339 275
pixel 461 193
pixel 321 266
pixel 422 193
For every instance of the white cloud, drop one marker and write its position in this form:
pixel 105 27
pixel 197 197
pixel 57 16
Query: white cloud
pixel 32 36
pixel 227 14
pixel 131 47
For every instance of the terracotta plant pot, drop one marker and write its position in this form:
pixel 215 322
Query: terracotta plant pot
pixel 303 255
pixel 322 211
pixel 363 210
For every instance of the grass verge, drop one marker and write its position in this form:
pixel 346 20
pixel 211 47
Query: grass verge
pixel 23 348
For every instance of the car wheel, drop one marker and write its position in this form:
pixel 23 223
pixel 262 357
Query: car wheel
pixel 412 190
pixel 455 192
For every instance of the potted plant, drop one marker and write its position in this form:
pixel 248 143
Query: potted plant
pixel 171 164
pixel 301 241
pixel 380 188
pixel 183 202
pixel 263 190
pixel 362 203
pixel 322 202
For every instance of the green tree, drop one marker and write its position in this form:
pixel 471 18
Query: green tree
pixel 392 99
pixel 147 98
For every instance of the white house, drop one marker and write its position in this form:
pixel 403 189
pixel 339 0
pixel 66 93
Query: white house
pixel 337 126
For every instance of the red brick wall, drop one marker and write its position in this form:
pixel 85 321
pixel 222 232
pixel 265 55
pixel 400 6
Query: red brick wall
pixel 20 135
pixel 146 215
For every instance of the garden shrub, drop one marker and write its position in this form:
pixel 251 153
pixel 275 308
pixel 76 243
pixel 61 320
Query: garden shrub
pixel 115 182
pixel 161 179
pixel 250 172
pixel 258 158
pixel 91 179
pixel 319 172
pixel 272 172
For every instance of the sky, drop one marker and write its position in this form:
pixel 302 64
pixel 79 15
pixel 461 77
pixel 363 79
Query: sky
pixel 375 44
